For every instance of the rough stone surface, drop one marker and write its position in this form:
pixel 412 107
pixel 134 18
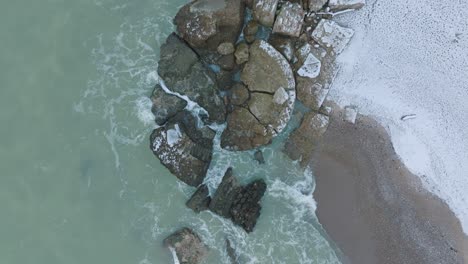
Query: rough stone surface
pixel 207 23
pixel 231 252
pixel 264 11
pixel 316 5
pixel 246 206
pixel 284 45
pixel 165 105
pixel 303 140
pixel 183 148
pixel 311 93
pixel 338 5
pixel 188 246
pixel 332 36
pixel 242 53
pixel 183 73
pixel 258 156
pixel 224 196
pixel 225 48
pixel 200 200
pixel 290 19
pixel 227 62
pixel 239 94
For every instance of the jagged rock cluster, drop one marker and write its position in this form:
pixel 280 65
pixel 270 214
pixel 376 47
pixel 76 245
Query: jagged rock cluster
pixel 245 63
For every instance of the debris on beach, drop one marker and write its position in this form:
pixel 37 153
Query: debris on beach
pixel 350 114
pixel 408 117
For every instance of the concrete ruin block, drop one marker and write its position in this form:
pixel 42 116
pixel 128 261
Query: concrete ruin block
pixel 339 5
pixel 350 114
pixel 332 36
pixel 264 11
pixel 289 21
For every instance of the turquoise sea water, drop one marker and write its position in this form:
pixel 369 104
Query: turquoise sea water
pixel 78 182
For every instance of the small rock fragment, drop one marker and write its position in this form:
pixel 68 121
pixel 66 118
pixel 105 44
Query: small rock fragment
pixel 289 21
pixel 242 53
pixel 280 96
pixel 225 48
pixel 188 246
pixel 339 5
pixel 350 114
pixel 258 156
pixel 227 62
pixel 264 11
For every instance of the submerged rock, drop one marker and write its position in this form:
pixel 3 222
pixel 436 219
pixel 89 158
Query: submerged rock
pixel 338 5
pixel 200 199
pixel 183 73
pixel 303 140
pixel 258 156
pixel 165 105
pixel 205 24
pixel 188 246
pixel 183 148
pixel 246 207
pixel 264 11
pixel 332 36
pixel 290 19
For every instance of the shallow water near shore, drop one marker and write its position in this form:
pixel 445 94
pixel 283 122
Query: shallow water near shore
pixel 79 183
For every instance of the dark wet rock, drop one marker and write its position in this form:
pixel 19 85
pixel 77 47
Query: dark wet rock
pixel 264 11
pixel 183 73
pixel 244 132
pixel 200 200
pixel 225 48
pixel 224 80
pixel 249 3
pixel 242 53
pixel 302 142
pixel 284 45
pixel 289 21
pixel 227 62
pixel 239 94
pixel 231 252
pixel 183 148
pixel 205 24
pixel 224 196
pixel 165 105
pixel 188 246
pixel 258 156
pixel 246 207
pixel 316 5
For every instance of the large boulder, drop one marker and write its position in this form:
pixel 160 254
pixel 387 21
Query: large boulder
pixel 246 206
pixel 290 19
pixel 183 73
pixel 165 105
pixel 302 142
pixel 188 246
pixel 205 24
pixel 224 195
pixel 183 148
pixel 332 36
pixel 270 80
pixel 264 11
pixel 200 199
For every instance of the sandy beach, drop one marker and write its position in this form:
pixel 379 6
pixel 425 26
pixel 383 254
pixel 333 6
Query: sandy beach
pixel 373 207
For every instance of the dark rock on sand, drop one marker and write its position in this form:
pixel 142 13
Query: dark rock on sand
pixel 224 196
pixel 205 24
pixel 200 200
pixel 183 73
pixel 258 156
pixel 165 105
pixel 188 246
pixel 246 207
pixel 183 148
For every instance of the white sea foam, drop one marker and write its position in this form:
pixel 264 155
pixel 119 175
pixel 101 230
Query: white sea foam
pixel 143 109
pixel 406 58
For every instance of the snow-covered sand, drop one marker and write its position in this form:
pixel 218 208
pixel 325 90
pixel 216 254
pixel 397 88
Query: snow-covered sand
pixel 411 57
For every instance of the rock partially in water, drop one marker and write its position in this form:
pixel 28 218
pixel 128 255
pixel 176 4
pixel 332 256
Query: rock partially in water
pixel 258 156
pixel 200 199
pixel 224 196
pixel 302 141
pixel 183 148
pixel 205 24
pixel 338 5
pixel 332 36
pixel 183 73
pixel 264 11
pixel 246 207
pixel 188 246
pixel 231 252
pixel 165 105
pixel 290 19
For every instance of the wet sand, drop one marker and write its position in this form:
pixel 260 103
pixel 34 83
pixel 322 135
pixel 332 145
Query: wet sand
pixel 375 210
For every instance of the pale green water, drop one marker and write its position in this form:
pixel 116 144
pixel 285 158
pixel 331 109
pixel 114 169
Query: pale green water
pixel 78 182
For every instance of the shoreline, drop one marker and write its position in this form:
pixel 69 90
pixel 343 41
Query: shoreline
pixel 372 207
